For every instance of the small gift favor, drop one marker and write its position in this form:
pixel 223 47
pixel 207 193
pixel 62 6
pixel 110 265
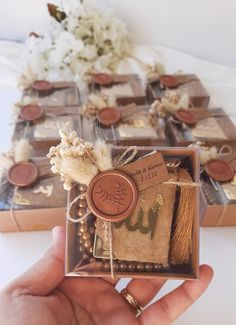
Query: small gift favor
pixel 41 126
pixel 47 93
pixel 181 83
pixel 122 125
pixel 31 197
pixel 126 89
pixel 206 127
pixel 218 193
pixel 131 212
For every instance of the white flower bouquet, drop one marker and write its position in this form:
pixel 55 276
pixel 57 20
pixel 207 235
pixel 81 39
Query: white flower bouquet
pixel 83 40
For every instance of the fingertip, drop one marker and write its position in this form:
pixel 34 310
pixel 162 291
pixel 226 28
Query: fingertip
pixel 206 272
pixel 58 233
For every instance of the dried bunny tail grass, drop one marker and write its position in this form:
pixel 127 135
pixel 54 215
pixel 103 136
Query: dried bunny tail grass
pixel 5 162
pixel 26 79
pixel 102 153
pixel 22 151
pixel 80 171
pixel 181 240
pixel 184 101
pixel 169 107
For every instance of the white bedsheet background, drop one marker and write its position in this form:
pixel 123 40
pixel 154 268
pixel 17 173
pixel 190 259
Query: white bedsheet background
pixel 19 250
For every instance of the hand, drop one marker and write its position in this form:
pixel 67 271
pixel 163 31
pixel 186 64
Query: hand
pixel 43 296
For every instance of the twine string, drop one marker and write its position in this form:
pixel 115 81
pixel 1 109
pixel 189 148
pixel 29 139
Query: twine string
pixel 225 150
pixel 121 161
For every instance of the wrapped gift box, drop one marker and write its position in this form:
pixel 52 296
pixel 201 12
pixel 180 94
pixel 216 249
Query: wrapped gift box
pixel 87 250
pixel 215 129
pixel 188 83
pixel 218 199
pixel 52 94
pixel 134 127
pixel 126 89
pixel 44 132
pixel 40 206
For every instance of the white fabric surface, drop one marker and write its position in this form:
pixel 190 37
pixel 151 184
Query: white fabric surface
pixel 19 250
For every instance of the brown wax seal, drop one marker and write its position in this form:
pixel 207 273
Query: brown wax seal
pixel 23 174
pixel 219 170
pixel 108 116
pixel 112 195
pixel 102 79
pixel 42 85
pixel 31 112
pixel 169 81
pixel 186 116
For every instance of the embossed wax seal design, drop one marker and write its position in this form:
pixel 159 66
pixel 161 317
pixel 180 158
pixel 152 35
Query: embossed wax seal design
pixel 169 81
pixel 186 116
pixel 219 170
pixel 31 112
pixel 23 174
pixel 102 79
pixel 108 116
pixel 112 195
pixel 42 85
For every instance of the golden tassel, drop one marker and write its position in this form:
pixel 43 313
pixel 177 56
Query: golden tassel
pixel 181 239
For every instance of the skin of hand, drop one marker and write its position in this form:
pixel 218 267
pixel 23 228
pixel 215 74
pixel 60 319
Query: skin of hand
pixel 42 295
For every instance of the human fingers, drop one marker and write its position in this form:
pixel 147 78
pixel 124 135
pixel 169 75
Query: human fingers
pixel 47 273
pixel 144 290
pixel 175 303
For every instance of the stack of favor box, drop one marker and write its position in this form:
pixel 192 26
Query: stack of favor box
pixel 118 109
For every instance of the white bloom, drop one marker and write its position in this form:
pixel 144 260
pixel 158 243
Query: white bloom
pixel 89 40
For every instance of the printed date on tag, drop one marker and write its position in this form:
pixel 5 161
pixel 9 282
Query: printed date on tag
pixel 147 172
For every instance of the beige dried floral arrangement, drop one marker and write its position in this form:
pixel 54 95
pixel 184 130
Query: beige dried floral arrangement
pixel 78 161
pixel 170 103
pixel 96 102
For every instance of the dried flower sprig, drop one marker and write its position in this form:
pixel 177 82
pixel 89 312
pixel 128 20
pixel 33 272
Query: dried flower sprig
pixel 78 161
pixel 21 151
pixel 170 103
pixel 97 102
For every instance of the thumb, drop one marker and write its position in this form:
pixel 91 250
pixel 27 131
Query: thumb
pixel 43 277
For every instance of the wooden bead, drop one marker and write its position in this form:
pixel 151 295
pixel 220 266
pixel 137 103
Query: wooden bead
pixel 81 212
pixel 140 267
pixel 86 236
pixel 131 267
pixel 157 267
pixel 106 266
pixel 123 267
pixel 83 229
pixel 115 266
pixel 148 267
pixel 82 188
pixel 90 250
pixel 82 204
pixel 87 243
pixel 85 256
pixel 83 222
pixel 80 241
pixel 92 260
pixel 81 249
pixel 166 266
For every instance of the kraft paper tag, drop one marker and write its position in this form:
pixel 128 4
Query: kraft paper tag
pixel 147 172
